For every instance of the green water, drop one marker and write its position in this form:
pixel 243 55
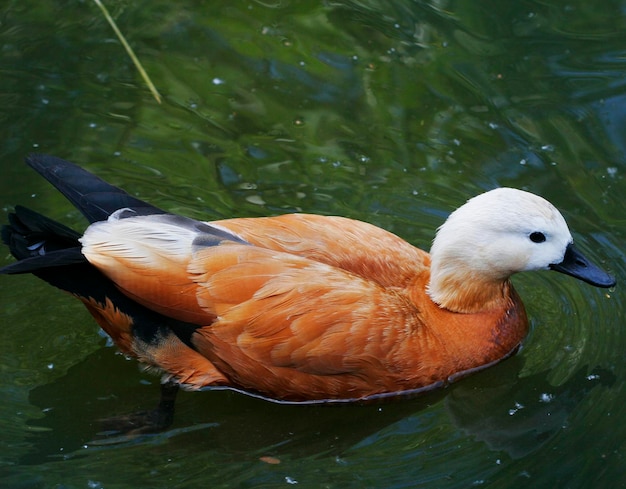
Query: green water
pixel 393 112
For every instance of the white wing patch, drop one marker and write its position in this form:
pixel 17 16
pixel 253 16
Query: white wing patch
pixel 150 241
pixel 145 240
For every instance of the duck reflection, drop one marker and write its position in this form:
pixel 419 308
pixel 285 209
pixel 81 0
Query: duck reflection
pixel 507 412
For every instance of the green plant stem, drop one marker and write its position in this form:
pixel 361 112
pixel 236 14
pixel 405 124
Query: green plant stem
pixel 129 50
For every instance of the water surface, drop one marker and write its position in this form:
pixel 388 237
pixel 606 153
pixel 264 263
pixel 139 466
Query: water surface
pixel 391 112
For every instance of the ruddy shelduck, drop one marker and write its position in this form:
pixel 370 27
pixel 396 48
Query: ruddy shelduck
pixel 297 307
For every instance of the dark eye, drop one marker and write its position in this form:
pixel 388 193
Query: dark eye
pixel 537 237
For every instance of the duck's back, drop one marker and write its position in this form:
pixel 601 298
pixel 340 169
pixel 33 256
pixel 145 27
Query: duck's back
pixel 355 246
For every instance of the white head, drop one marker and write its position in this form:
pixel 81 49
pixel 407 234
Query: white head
pixel 493 236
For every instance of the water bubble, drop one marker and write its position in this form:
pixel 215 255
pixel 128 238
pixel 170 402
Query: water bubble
pixel 545 397
pixel 255 199
pixel 340 460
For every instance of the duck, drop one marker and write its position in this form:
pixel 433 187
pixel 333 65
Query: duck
pixel 296 308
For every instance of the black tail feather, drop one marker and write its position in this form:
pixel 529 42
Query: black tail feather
pixel 34 227
pixel 39 242
pixel 49 260
pixel 95 198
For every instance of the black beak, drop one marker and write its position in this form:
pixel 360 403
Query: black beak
pixel 577 265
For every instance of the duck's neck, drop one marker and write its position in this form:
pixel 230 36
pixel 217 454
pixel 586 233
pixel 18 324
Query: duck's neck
pixel 458 289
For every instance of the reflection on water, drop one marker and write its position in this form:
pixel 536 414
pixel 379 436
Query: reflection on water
pixel 511 414
pixel 518 416
pixel 392 112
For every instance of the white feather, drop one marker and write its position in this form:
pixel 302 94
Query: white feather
pixel 142 239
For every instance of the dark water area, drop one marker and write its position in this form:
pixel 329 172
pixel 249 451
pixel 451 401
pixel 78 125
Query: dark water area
pixel 391 112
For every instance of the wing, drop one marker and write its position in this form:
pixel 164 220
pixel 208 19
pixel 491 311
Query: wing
pixel 287 325
pixel 153 259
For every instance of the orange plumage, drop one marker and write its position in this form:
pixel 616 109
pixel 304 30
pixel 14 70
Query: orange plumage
pixel 297 307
